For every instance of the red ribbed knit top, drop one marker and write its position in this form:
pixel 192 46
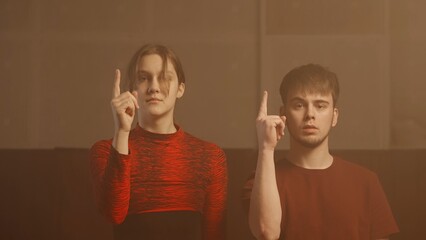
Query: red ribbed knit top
pixel 162 172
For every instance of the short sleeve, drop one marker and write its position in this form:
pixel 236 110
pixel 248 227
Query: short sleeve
pixel 383 223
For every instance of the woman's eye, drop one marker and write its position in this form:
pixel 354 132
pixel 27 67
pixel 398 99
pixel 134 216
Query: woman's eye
pixel 142 78
pixel 168 78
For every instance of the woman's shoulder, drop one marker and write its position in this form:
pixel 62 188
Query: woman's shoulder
pixel 101 145
pixel 200 142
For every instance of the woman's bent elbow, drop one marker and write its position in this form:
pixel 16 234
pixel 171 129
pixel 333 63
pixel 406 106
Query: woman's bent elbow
pixel 266 233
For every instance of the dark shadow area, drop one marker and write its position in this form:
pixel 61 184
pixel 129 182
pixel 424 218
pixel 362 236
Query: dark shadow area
pixel 46 194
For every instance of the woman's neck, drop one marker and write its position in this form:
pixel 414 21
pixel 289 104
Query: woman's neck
pixel 161 126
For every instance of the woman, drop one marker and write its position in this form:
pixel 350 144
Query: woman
pixel 156 181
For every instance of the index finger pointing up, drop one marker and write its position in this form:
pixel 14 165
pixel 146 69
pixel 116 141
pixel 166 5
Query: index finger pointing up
pixel 116 88
pixel 263 110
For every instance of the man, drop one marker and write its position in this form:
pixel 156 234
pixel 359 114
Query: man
pixel 311 194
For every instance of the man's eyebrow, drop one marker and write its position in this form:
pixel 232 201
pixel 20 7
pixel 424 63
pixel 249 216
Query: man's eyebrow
pixel 295 99
pixel 299 99
pixel 321 101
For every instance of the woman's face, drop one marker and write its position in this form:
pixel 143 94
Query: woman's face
pixel 157 93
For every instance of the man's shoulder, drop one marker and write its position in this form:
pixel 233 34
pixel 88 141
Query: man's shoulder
pixel 352 168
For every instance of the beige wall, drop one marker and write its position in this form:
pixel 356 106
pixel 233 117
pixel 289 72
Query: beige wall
pixel 350 38
pixel 408 74
pixel 58 59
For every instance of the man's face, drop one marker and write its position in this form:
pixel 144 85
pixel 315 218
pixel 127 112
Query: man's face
pixel 310 116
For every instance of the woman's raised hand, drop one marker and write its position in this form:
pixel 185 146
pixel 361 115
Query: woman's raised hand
pixel 123 105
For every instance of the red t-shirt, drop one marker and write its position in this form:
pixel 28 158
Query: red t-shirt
pixel 344 201
pixel 163 172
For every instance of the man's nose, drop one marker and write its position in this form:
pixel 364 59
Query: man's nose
pixel 310 112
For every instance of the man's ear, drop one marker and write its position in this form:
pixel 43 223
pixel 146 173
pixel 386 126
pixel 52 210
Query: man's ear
pixel 335 117
pixel 181 90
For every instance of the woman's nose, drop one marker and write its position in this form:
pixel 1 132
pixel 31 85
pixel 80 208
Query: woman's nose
pixel 154 86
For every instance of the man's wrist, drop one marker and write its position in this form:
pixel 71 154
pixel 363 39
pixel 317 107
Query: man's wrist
pixel 266 153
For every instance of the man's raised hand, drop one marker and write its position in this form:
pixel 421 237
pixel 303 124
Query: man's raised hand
pixel 123 105
pixel 270 128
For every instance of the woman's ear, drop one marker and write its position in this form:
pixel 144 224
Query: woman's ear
pixel 181 90
pixel 335 117
pixel 282 110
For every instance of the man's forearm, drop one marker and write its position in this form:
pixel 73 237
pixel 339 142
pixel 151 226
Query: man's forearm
pixel 265 207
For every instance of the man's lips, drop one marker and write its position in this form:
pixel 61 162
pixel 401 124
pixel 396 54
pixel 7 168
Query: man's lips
pixel 310 129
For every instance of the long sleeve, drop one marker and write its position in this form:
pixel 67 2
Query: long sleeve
pixel 215 203
pixel 110 172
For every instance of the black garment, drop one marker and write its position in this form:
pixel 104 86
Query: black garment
pixel 178 225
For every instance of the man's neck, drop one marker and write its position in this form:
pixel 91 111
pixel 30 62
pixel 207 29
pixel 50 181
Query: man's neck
pixel 317 157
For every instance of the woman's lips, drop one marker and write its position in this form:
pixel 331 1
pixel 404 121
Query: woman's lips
pixel 153 100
